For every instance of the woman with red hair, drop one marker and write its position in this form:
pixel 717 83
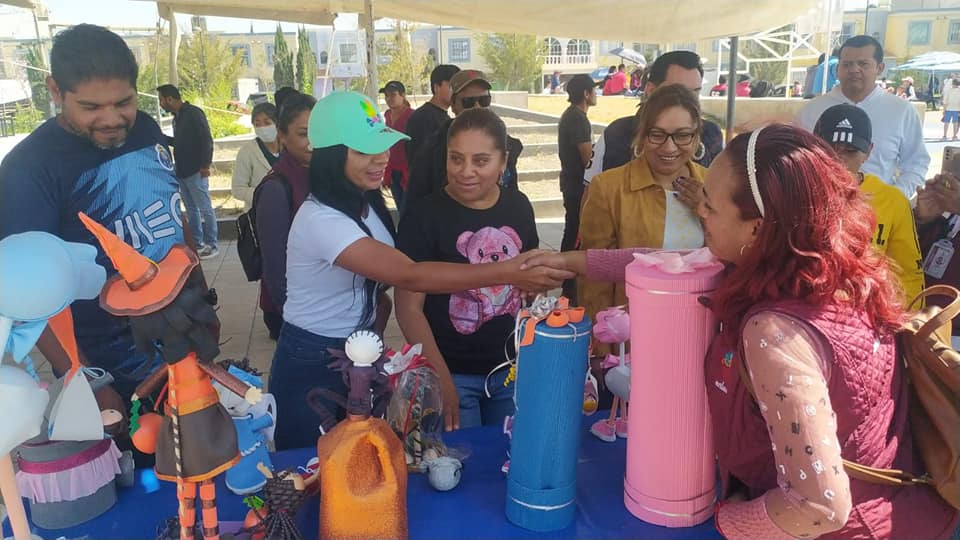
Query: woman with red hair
pixel 811 310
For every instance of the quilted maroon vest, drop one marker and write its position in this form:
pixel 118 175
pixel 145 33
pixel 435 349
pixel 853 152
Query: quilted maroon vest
pixel 870 400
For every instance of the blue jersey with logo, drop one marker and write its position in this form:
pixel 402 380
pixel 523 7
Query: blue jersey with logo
pixel 53 174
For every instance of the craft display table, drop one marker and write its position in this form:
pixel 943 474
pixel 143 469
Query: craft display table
pixel 473 510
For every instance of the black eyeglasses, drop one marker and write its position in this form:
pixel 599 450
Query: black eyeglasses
pixel 471 102
pixel 680 138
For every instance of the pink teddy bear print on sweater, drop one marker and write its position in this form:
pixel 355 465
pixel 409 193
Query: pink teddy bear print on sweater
pixel 469 310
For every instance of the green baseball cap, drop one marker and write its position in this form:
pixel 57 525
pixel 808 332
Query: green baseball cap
pixel 350 119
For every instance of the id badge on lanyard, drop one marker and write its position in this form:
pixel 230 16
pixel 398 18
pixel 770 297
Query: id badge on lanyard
pixel 942 251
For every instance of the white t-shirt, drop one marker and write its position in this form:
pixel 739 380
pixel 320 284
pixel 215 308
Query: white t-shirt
pixel 323 298
pixel 951 98
pixel 897 136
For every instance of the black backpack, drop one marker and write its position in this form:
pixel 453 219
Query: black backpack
pixel 248 247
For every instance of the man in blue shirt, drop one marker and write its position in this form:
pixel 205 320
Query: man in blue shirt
pixel 102 157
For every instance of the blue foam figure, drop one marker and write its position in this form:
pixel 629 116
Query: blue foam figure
pixel 541 482
pixel 254 424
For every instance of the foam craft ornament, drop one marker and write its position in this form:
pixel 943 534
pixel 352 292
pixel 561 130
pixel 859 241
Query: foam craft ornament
pixel 75 415
pixel 362 469
pixel 613 327
pixel 255 425
pixel 197 440
pixel 40 275
pixel 552 358
pixel 671 483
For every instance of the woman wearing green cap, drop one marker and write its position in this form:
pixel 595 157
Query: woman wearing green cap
pixel 340 252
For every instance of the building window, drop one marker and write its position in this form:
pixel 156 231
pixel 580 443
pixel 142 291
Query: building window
pixel 271 50
pixel 243 52
pixel 847 31
pixel 324 57
pixel 578 47
pixel 684 47
pixel 953 34
pixel 459 49
pixel 918 33
pixel 553 46
pixel 348 53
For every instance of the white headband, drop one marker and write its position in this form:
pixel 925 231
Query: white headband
pixel 752 168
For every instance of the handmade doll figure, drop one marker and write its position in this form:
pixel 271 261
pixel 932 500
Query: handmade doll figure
pixel 40 275
pixel 613 326
pixel 362 470
pixel 254 424
pixel 169 313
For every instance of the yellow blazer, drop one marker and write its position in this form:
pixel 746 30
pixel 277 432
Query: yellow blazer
pixel 624 208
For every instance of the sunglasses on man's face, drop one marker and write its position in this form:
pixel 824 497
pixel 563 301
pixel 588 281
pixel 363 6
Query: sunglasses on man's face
pixel 471 102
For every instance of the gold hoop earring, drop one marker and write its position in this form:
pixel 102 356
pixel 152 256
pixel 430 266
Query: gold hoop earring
pixel 743 247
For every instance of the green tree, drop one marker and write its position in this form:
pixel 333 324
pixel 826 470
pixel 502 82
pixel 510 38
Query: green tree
pixel 403 64
pixel 154 72
pixel 772 71
pixel 37 77
pixel 306 63
pixel 208 69
pixel 514 60
pixel 282 61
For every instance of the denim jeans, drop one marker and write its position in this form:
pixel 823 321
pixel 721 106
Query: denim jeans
pixel 476 408
pixel 195 191
pixel 299 366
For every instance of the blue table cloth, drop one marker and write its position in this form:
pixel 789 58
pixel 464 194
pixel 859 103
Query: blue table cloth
pixel 472 511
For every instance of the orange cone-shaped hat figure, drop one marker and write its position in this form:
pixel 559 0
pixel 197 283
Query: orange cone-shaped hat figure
pixel 142 286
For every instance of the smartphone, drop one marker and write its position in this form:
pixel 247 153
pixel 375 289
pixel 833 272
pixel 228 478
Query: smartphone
pixel 951 161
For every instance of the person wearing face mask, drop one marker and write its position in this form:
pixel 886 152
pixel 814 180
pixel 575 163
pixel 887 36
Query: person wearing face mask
pixel 340 254
pixel 276 200
pixel 256 157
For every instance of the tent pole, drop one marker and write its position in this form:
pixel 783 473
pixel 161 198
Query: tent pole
pixel 732 86
pixel 828 49
pixel 372 83
pixel 174 46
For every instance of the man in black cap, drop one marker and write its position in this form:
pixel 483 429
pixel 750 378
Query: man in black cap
pixel 848 129
pixel 431 115
pixel 575 144
pixel 428 168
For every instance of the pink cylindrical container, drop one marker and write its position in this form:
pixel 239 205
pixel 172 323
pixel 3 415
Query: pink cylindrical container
pixel 670 478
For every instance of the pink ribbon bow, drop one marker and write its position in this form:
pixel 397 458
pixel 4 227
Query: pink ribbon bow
pixel 678 262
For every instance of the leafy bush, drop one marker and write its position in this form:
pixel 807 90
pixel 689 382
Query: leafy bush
pixel 27 119
pixel 224 124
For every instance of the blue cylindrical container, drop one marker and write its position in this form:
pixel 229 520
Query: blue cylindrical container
pixel 541 484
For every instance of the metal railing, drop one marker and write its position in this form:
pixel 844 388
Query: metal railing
pixel 567 59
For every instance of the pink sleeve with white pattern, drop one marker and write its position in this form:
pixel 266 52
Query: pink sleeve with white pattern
pixel 789 363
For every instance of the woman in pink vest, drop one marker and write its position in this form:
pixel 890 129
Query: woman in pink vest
pixel 814 310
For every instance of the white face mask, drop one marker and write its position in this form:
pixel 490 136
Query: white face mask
pixel 266 133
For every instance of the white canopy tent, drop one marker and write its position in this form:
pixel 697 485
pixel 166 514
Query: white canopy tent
pixel 649 21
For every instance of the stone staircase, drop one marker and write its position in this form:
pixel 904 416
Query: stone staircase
pixel 538 167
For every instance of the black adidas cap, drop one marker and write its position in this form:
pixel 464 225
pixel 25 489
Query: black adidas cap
pixel 847 124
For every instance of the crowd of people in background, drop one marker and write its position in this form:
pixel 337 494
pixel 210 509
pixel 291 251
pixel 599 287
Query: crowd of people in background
pixel 811 219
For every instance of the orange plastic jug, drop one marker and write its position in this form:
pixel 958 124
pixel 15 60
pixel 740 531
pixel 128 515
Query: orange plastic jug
pixel 363 472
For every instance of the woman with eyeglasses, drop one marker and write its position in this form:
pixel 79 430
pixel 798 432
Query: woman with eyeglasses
pixel 651 201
